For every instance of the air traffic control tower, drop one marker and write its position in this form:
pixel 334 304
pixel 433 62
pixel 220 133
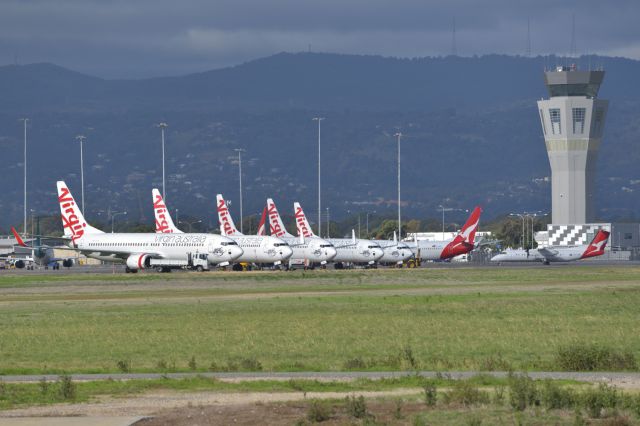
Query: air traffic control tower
pixel 572 122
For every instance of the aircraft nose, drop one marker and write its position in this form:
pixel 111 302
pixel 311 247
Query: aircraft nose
pixel 286 252
pixel 497 258
pixel 330 252
pixel 377 254
pixel 235 252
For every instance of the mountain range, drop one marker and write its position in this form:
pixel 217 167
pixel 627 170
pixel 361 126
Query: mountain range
pixel 471 136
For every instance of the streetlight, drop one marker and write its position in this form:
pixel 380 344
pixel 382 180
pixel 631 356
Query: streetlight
pixel 327 222
pixel 521 216
pixel 449 209
pixel 113 216
pixel 25 120
pixel 163 126
pixel 177 218
pixel 240 151
pixel 319 120
pixel 368 221
pixel 191 224
pixel 32 212
pixel 81 138
pixel 399 136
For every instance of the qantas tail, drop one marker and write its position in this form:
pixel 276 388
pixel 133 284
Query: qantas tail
pixel 468 232
pixel 262 230
pixel 227 227
pixel 164 223
pixel 597 245
pixel 302 224
pixel 276 226
pixel 73 222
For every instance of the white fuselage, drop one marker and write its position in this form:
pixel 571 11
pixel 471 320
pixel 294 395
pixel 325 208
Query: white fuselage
pixel 262 249
pixel 118 247
pixel 362 251
pixel 313 249
pixel 550 254
pixel 394 252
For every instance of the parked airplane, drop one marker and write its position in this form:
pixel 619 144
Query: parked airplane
pixel 41 254
pixel 394 251
pixel 306 250
pixel 143 250
pixel 257 248
pixel 550 254
pixel 347 250
pixel 462 243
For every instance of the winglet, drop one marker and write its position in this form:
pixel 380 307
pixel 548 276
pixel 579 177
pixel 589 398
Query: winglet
pixel 395 238
pixel 353 236
pixel 18 239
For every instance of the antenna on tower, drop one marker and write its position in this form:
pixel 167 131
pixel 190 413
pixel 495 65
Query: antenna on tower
pixel 454 45
pixel 528 39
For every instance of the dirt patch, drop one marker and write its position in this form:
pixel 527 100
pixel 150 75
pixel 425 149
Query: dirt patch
pixel 155 403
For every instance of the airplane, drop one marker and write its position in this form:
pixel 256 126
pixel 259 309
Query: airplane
pixel 347 250
pixel 306 250
pixel 256 248
pixel 462 243
pixel 41 254
pixel 550 254
pixel 394 251
pixel 142 250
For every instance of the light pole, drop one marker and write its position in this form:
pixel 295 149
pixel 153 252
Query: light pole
pixel 113 216
pixel 25 120
pixel 399 137
pixel 368 222
pixel 191 224
pixel 163 126
pixel 327 222
pixel 240 151
pixel 32 212
pixel 319 120
pixel 81 139
pixel 521 216
pixel 177 218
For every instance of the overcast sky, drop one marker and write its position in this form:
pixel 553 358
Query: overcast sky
pixel 143 38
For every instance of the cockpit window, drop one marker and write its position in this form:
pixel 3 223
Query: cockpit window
pixel 326 245
pixel 372 247
pixel 280 244
pixel 230 243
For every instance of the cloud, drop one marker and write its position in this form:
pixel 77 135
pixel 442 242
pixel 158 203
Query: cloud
pixel 118 38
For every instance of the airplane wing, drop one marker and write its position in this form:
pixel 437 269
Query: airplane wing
pixel 548 252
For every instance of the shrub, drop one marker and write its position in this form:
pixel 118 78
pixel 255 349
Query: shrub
pixel 522 392
pixel 355 364
pixel 466 393
pixel 583 357
pixel 192 363
pixel 124 366
pixel 161 364
pixel 356 407
pixel 318 411
pixel 553 396
pixel 430 394
pixel 498 395
pixel 67 389
pixel 406 354
pixel 595 400
pixel 250 364
pixel 397 414
pixel 44 386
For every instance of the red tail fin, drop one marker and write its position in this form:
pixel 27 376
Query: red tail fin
pixel 468 231
pixel 18 239
pixel 597 245
pixel 261 227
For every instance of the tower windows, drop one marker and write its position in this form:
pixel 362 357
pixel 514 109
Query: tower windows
pixel 578 120
pixel 554 116
pixel 597 122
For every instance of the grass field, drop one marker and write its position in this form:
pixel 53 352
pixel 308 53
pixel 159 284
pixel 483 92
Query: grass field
pixel 458 318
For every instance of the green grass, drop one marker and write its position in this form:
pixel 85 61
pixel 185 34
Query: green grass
pixel 465 319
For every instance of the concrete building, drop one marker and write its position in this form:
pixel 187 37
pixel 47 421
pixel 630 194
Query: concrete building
pixel 572 123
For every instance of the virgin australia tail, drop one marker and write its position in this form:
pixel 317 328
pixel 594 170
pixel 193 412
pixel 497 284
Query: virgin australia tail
pixel 73 222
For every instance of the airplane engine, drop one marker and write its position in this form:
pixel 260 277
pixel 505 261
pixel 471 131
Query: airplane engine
pixel 67 263
pixel 138 261
pixel 19 264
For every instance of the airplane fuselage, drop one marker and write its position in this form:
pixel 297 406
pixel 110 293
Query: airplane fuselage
pixel 262 249
pixel 362 251
pixel 315 250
